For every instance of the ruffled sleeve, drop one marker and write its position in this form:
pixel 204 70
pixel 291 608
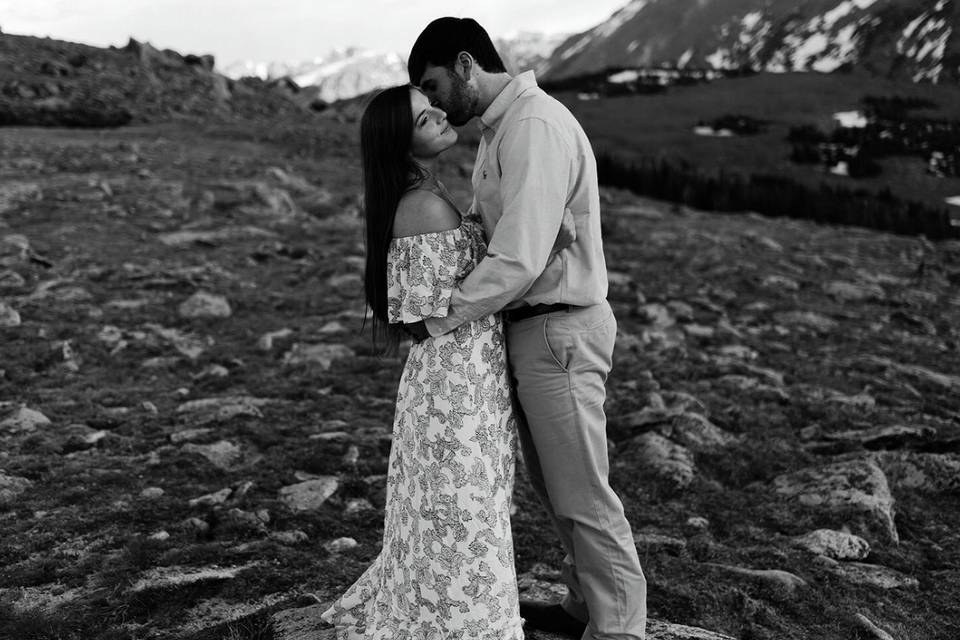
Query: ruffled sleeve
pixel 422 271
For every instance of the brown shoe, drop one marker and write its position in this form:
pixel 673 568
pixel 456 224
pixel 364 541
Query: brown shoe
pixel 551 617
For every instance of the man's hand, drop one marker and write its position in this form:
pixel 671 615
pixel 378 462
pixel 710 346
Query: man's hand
pixel 567 234
pixel 417 331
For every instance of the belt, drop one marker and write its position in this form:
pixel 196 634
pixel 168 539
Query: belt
pixel 522 313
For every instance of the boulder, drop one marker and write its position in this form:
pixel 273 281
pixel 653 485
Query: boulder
pixel 665 459
pixel 856 491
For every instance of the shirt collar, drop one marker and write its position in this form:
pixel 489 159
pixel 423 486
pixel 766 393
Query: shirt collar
pixel 494 113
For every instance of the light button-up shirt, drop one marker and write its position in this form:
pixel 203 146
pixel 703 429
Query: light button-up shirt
pixel 534 162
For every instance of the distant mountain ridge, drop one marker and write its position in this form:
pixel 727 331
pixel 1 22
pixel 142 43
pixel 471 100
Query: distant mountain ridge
pixel 348 72
pixel 914 39
pixel 342 74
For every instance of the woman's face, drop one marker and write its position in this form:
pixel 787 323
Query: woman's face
pixel 431 131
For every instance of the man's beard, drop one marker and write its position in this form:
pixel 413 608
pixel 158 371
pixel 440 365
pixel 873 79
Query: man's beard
pixel 462 102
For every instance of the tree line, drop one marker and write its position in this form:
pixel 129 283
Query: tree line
pixel 774 196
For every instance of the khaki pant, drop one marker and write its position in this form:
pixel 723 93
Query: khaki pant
pixel 560 362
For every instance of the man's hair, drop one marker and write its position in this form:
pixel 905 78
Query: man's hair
pixel 441 41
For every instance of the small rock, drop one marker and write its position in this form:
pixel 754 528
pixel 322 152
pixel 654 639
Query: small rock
pixel 808 319
pixel 205 305
pixel 242 520
pixel 222 454
pixel 340 545
pixel 293 537
pixel 152 493
pixel 9 317
pixel 696 432
pixel 11 487
pixel 781 580
pixel 188 434
pixel 357 505
pixel 160 536
pixel 838 545
pixel 867 625
pixel 204 410
pixel 309 495
pixel 172 577
pixel 24 420
pixel 699 331
pixel 211 499
pixel 322 354
pixel 10 279
pixel 265 343
pixel 331 328
pixel 852 292
pixel 874 576
pixel 780 283
pixel 697 523
pixel 213 371
pixel 196 525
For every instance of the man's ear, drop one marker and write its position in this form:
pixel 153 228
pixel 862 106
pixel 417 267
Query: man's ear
pixel 464 65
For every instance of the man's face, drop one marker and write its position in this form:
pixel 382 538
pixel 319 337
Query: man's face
pixel 448 91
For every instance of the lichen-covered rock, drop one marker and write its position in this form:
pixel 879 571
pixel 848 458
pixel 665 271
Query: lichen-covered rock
pixel 838 545
pixel 856 491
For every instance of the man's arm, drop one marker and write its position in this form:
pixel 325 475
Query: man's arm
pixel 535 162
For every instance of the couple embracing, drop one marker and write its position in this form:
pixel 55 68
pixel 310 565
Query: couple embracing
pixel 513 341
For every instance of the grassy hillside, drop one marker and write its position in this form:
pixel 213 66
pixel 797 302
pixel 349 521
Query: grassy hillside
pixel 662 126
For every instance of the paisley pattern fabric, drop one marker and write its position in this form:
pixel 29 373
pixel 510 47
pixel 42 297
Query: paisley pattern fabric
pixel 446 569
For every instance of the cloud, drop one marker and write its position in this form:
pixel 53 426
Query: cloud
pixel 34 11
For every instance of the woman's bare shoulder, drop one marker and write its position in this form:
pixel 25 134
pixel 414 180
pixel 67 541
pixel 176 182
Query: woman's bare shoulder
pixel 422 211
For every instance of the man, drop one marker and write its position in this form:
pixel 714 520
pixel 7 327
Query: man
pixel 533 164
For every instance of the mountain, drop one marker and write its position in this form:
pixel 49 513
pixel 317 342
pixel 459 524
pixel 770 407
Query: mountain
pixel 914 39
pixel 349 72
pixel 528 49
pixel 342 74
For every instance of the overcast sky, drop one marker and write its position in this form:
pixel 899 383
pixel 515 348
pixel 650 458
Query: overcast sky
pixel 268 30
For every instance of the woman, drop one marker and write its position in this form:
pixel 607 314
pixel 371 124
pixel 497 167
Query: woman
pixel 446 568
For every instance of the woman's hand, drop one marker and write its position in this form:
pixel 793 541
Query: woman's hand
pixel 567 234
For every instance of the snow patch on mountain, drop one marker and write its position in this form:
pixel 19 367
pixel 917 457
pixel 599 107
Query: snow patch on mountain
pixel 620 18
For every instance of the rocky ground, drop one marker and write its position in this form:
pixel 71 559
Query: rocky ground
pixel 194 431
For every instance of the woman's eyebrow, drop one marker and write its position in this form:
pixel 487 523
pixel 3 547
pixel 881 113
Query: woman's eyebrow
pixel 420 114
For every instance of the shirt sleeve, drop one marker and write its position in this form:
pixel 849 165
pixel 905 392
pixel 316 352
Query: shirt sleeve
pixel 535 169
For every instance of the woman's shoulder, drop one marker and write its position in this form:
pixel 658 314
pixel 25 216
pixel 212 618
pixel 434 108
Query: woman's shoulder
pixel 421 211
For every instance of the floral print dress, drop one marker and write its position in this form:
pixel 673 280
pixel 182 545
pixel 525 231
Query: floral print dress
pixel 446 569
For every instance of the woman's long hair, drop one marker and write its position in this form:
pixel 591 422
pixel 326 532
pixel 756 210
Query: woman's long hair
pixel 386 131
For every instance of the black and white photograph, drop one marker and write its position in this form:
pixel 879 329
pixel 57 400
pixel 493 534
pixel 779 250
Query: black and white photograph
pixel 527 320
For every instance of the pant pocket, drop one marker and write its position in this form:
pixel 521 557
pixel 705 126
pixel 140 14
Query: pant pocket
pixel 557 345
